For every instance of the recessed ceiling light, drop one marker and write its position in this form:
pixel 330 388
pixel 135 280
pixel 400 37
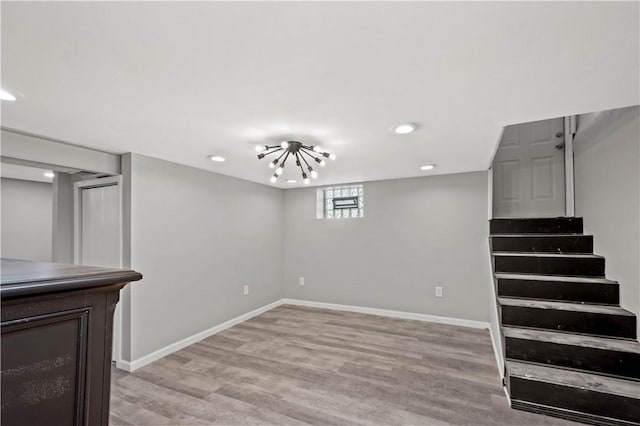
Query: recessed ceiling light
pixel 405 128
pixel 6 96
pixel 217 158
pixel 291 181
pixel 49 174
pixel 428 167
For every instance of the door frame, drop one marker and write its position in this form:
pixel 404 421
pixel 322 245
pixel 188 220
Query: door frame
pixel 77 230
pixel 570 126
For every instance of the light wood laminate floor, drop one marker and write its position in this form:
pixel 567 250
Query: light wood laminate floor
pixel 296 365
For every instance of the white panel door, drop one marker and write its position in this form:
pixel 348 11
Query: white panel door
pixel 528 171
pixel 100 227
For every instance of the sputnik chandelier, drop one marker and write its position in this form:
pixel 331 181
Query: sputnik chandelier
pixel 297 151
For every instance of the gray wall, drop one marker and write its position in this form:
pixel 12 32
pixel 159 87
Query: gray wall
pixel 415 234
pixel 607 193
pixel 197 237
pixel 63 213
pixel 27 212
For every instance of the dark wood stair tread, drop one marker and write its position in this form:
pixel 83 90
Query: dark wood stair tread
pixel 536 219
pixel 564 306
pixel 544 254
pixel 574 379
pixel 559 225
pixel 559 278
pixel 530 235
pixel 621 345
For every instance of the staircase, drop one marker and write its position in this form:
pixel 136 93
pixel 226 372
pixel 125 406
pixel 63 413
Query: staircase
pixel 570 349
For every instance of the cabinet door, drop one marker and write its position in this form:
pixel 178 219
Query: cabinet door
pixel 44 361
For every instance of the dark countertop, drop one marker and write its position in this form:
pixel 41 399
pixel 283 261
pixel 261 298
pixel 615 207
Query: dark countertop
pixel 22 277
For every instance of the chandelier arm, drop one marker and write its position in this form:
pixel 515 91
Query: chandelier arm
pixel 313 157
pixel 306 149
pixel 305 152
pixel 281 155
pixel 300 165
pixel 310 148
pixel 271 152
pixel 305 161
pixel 285 159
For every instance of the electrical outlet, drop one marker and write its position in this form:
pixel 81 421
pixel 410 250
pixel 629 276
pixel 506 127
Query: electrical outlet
pixel 301 280
pixel 245 290
pixel 438 291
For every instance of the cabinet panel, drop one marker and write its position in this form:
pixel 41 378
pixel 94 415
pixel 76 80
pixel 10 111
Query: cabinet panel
pixel 43 369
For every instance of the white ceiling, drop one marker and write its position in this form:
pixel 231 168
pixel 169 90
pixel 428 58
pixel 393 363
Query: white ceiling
pixel 180 81
pixel 14 171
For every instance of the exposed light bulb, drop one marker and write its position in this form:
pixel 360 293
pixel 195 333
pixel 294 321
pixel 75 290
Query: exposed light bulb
pixel 284 144
pixel 273 164
pixel 260 148
pixel 273 179
pixel 322 163
pixel 306 181
pixel 279 171
pixel 6 96
pixel 314 174
pixel 317 148
pixel 332 156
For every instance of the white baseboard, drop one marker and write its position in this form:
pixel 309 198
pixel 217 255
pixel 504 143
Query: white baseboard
pixel 169 349
pixel 388 313
pixel 496 344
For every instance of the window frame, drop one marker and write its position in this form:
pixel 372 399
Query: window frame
pixel 325 208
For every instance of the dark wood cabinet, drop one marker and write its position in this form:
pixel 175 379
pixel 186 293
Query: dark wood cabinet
pixel 57 323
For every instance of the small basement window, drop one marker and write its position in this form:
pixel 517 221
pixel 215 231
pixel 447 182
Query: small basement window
pixel 340 202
